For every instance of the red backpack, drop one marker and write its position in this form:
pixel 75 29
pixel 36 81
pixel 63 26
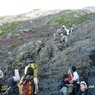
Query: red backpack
pixel 26 87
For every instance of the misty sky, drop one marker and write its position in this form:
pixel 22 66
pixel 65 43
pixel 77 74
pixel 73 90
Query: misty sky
pixel 13 7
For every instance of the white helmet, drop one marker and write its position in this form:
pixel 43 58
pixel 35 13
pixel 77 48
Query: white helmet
pixel 63 26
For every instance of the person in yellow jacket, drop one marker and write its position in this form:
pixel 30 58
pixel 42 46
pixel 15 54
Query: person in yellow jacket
pixel 32 64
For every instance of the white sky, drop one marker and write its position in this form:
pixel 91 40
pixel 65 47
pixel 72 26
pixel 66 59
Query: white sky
pixel 13 7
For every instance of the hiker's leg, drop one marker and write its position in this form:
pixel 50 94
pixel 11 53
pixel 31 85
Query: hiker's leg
pixel 64 91
pixel 66 40
pixel 63 40
pixel 11 84
pixel 70 89
pixel 76 87
pixel 0 87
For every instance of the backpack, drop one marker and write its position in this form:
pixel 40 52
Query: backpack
pixel 64 32
pixel 27 85
pixel 35 68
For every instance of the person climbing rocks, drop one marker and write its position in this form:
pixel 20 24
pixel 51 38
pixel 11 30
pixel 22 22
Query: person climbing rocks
pixel 34 66
pixel 64 34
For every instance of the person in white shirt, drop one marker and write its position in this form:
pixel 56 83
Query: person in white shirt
pixel 75 79
pixel 12 81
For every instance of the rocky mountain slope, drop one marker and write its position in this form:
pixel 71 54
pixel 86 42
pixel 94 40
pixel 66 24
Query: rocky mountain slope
pixel 27 16
pixel 20 40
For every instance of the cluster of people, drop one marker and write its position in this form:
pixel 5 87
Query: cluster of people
pixel 63 33
pixel 15 81
pixel 71 85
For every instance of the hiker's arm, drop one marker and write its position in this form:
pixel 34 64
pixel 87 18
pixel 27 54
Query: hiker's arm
pixel 25 70
pixel 1 74
pixel 36 85
pixel 75 80
pixel 17 76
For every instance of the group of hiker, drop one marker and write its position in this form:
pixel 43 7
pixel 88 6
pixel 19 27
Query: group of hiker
pixel 28 83
pixel 63 34
pixel 25 85
pixel 71 85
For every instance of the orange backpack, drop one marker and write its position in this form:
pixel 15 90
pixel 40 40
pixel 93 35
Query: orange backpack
pixel 26 87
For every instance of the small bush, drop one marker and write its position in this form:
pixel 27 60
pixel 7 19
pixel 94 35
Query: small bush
pixel 13 55
pixel 64 19
pixel 11 25
pixel 1 32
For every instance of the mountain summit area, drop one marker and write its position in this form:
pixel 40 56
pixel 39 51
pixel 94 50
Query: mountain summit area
pixel 32 35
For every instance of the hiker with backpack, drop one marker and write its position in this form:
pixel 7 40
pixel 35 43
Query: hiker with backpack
pixel 32 64
pixel 12 82
pixel 64 34
pixel 73 28
pixel 29 83
pixel 83 89
pixel 65 86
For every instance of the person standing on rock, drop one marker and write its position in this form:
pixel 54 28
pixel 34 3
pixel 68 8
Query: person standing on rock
pixel 65 86
pixel 64 39
pixel 83 89
pixel 1 76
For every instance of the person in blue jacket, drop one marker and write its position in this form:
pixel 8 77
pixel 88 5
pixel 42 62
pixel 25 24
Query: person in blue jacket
pixel 65 86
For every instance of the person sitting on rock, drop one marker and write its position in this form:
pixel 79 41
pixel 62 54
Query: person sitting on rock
pixel 75 79
pixel 65 86
pixel 12 81
pixel 83 89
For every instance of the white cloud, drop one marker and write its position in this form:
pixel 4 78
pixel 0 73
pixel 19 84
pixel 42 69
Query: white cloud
pixel 9 7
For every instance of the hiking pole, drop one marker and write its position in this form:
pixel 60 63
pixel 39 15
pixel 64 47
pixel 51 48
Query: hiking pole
pixel 7 90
